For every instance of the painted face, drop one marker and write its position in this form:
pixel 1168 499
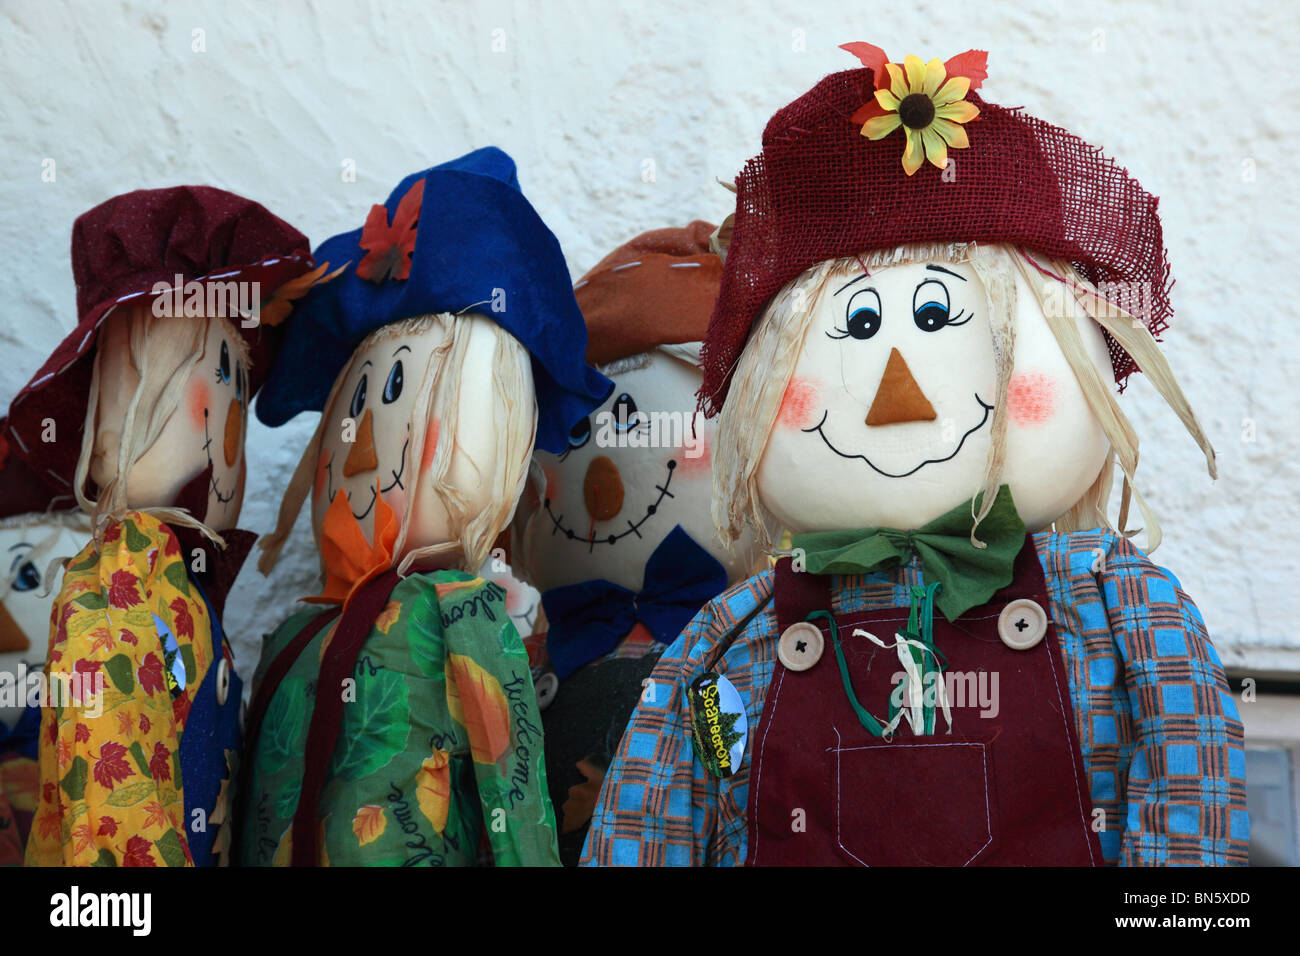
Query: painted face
pixel 522 600
pixel 633 471
pixel 887 419
pixel 373 454
pixel 24 613
pixel 208 428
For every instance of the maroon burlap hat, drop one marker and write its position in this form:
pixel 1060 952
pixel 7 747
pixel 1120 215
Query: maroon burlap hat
pixel 656 289
pixel 821 190
pixel 121 250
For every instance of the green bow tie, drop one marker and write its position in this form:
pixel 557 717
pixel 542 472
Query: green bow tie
pixel 968 575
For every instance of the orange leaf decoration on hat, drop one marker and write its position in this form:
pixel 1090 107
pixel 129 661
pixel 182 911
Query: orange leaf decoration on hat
pixel 872 57
pixel 928 100
pixel 277 308
pixel 350 560
pixel 389 246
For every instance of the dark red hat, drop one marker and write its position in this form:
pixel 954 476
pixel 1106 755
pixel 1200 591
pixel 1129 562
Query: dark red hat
pixel 23 490
pixel 655 289
pixel 821 190
pixel 121 249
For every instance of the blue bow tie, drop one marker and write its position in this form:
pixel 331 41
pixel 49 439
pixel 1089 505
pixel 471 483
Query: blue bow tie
pixel 588 620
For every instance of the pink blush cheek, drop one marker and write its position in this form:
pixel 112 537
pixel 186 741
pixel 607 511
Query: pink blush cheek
pixel 553 485
pixel 397 500
pixel 1031 398
pixel 514 595
pixel 197 400
pixel 799 404
pixel 700 466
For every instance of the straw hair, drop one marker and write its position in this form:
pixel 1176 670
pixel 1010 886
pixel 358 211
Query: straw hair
pixel 994 269
pixel 1138 342
pixel 473 532
pixel 763 372
pixel 163 351
pixel 767 364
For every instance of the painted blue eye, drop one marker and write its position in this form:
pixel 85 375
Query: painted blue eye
pixel 29 579
pixel 358 399
pixel 393 387
pixel 224 368
pixel 864 323
pixel 931 317
pixel 625 415
pixel 930 306
pixel 580 434
pixel 239 383
pixel 862 314
pixel 26 577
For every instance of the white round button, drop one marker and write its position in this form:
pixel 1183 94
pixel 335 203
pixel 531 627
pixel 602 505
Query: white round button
pixel 546 685
pixel 1022 624
pixel 223 681
pixel 801 646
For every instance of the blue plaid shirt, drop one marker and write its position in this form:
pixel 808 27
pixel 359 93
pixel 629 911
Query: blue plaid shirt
pixel 1157 724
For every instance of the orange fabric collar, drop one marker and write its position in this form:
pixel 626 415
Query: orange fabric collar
pixel 350 561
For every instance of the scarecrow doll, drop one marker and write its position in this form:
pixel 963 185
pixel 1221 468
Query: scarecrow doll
pixel 36 529
pixel 621 541
pixel 139 415
pixel 926 304
pixel 395 721
pixel 523 603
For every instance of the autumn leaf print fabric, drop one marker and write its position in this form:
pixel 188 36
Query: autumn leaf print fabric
pixel 440 747
pixel 135 633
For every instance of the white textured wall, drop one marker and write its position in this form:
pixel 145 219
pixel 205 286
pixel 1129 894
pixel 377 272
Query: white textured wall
pixel 583 97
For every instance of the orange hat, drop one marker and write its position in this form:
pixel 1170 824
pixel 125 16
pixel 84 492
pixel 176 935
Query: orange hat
pixel 657 289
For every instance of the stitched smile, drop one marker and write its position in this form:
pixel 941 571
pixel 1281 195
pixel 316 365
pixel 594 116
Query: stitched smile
pixel 395 483
pixel 207 450
pixel 929 461
pixel 591 539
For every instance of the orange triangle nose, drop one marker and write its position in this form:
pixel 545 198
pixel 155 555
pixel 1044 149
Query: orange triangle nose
pixel 899 398
pixel 12 637
pixel 362 458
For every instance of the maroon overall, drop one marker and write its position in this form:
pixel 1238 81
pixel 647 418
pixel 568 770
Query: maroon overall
pixel 1004 790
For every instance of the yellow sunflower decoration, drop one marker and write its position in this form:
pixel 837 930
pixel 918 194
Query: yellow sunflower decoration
pixel 928 100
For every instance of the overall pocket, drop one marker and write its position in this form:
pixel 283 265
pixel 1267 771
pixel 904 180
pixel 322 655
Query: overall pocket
pixel 914 804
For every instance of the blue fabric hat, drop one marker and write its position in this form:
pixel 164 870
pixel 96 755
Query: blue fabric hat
pixel 479 246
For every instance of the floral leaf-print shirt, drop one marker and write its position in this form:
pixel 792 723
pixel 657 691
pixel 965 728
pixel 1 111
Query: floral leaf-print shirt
pixel 131 643
pixel 439 759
